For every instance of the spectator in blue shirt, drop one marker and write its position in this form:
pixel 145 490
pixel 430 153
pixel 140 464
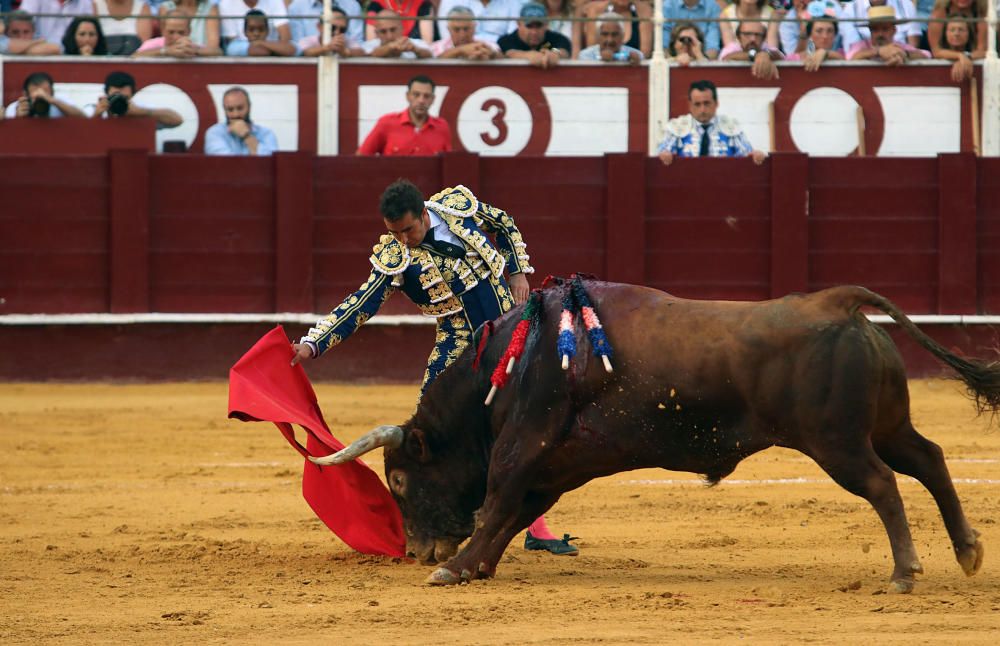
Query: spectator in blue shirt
pixel 239 135
pixel 701 13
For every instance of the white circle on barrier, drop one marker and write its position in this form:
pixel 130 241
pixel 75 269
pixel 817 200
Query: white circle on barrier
pixel 163 95
pixel 824 122
pixel 494 120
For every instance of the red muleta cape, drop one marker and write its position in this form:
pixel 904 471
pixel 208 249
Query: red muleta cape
pixel 349 498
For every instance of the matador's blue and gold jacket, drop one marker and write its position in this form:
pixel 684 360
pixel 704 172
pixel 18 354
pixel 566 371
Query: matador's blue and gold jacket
pixel 435 282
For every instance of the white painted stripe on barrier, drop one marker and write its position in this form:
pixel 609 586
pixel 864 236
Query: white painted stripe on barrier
pixel 388 319
pixel 782 481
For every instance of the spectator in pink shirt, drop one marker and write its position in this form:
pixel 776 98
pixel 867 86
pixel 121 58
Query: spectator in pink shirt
pixel 176 40
pixel 751 45
pixel 882 46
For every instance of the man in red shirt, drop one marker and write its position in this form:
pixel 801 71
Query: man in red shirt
pixel 413 131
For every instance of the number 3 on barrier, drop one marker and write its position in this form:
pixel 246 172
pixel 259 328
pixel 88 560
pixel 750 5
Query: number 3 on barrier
pixel 494 120
pixel 501 125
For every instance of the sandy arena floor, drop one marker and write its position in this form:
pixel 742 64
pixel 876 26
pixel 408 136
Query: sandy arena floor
pixel 139 514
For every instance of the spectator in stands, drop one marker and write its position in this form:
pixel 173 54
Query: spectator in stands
pixel 233 28
pixel 883 45
pixel 176 40
pixel 341 43
pixel 853 32
pixel 958 43
pixel 408 11
pixel 124 33
pixel 116 102
pixel 978 32
pixel 822 35
pixel 686 44
pixel 748 11
pixel 40 100
pixel 203 23
pixel 255 41
pixel 560 14
pixel 638 34
pixel 701 13
pixel 533 41
pixel 304 27
pixel 702 133
pixel 390 41
pixel 84 37
pixel 485 29
pixel 19 37
pixel 752 46
pixel 792 30
pixel 414 131
pixel 239 135
pixel 57 15
pixel 611 42
pixel 462 41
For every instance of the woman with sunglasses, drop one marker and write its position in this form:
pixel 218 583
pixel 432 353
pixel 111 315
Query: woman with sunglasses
pixel 340 43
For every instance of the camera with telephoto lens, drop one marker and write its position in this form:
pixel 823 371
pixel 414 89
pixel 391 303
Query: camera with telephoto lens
pixel 117 105
pixel 39 107
pixel 686 40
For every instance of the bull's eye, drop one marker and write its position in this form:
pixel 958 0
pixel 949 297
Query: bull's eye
pixel 397 482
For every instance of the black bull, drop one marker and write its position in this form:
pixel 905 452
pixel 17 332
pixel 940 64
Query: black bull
pixel 697 386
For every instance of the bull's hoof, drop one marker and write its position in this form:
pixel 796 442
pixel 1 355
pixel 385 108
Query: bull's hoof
pixel 970 557
pixel 443 576
pixel 901 586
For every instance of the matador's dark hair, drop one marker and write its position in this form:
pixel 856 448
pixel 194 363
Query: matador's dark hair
pixel 399 198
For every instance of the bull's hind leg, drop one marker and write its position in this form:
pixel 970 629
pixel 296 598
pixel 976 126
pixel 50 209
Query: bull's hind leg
pixel 861 472
pixel 910 453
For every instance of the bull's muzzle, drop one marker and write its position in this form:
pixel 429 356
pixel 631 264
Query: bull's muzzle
pixel 391 436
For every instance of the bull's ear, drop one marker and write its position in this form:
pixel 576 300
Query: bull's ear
pixel 416 445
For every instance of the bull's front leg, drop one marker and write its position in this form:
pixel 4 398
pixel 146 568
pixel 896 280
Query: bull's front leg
pixel 510 504
pixel 500 519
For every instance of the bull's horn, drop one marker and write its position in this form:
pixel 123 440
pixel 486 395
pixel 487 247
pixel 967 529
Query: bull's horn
pixel 391 436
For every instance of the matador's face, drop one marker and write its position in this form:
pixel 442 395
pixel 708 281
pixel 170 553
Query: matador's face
pixel 409 229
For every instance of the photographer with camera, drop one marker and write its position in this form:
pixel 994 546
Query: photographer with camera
pixel 40 101
pixel 119 88
pixel 239 135
pixel 686 45
pixel 702 14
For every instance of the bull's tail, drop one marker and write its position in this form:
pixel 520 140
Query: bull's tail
pixel 982 378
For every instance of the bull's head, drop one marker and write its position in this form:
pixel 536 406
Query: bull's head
pixel 437 485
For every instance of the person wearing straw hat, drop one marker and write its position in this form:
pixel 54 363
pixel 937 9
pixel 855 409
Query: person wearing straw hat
pixel 882 45
pixel 854 28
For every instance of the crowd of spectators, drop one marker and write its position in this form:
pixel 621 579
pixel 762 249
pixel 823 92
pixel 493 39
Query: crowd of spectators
pixel 543 32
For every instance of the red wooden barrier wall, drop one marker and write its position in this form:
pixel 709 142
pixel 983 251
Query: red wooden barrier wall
pixel 138 233
pixel 133 232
